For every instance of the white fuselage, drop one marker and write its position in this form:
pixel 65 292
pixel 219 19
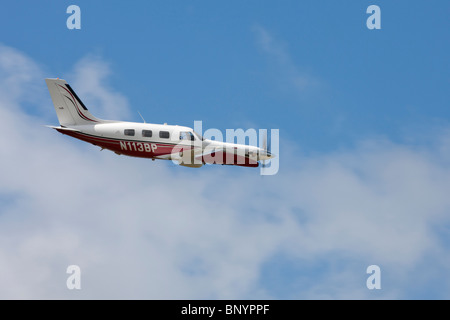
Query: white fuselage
pixel 161 141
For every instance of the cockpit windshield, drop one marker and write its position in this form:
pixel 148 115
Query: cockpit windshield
pixel 190 136
pixel 198 136
pixel 186 135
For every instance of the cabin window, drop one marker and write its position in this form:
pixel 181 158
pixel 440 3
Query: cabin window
pixel 164 134
pixel 186 135
pixel 147 133
pixel 129 132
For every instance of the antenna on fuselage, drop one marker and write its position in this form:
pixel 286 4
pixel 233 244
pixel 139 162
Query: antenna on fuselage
pixel 142 117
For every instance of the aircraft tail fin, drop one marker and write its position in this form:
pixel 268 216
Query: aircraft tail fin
pixel 68 106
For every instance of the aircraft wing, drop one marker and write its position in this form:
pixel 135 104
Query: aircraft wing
pixel 227 156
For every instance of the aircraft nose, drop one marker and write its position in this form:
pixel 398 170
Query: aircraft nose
pixel 266 155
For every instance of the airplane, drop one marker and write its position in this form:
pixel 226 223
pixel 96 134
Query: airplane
pixel 180 144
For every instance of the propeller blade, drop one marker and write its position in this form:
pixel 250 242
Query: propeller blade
pixel 264 146
pixel 263 165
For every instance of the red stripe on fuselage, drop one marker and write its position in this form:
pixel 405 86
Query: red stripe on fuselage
pixel 144 149
pixel 141 149
pixel 229 159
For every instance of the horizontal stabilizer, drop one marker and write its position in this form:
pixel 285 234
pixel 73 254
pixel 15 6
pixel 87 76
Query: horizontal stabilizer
pixel 63 128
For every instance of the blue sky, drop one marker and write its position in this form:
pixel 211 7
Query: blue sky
pixel 364 148
pixel 178 62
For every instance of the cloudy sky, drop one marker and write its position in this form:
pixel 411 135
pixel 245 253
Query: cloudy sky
pixel 364 155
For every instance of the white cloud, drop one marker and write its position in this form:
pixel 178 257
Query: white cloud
pixel 142 229
pixel 288 73
pixel 91 82
pixel 20 81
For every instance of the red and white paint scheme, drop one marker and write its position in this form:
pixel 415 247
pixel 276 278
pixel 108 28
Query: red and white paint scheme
pixel 155 141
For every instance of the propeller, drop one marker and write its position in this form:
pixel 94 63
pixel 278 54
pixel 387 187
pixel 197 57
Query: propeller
pixel 264 146
pixel 266 149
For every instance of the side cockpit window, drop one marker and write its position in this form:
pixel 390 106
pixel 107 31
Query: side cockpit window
pixel 128 132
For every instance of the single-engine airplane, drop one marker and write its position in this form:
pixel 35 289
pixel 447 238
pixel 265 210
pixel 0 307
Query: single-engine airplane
pixel 180 144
